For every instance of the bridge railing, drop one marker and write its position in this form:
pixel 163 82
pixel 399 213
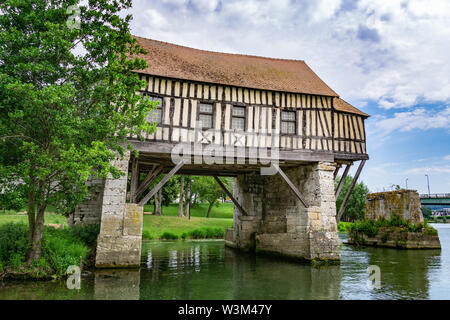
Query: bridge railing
pixel 435 196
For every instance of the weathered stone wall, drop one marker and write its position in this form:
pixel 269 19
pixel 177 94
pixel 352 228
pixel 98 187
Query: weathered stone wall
pixel 90 210
pixel 277 221
pixel 119 241
pixel 405 203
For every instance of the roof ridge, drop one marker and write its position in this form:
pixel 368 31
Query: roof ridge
pixel 225 53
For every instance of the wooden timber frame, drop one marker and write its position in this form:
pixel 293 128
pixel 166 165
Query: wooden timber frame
pixel 324 131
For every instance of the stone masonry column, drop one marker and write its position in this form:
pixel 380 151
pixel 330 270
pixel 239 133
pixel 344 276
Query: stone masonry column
pixel 278 223
pixel 119 241
pixel 89 211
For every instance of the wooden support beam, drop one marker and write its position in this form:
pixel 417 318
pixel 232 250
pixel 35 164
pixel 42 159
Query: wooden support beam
pixel 350 190
pixel 290 184
pixel 236 203
pixel 151 176
pixel 134 179
pixel 336 171
pixel 341 183
pixel 161 183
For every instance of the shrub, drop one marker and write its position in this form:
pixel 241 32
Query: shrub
pixel 214 233
pixel 88 234
pixel 206 233
pixel 13 243
pixel 169 236
pixel 146 235
pixel 197 233
pixel 367 227
pixel 430 230
pixel 415 227
pixel 62 249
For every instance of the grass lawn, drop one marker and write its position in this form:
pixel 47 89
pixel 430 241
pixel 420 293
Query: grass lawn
pixel 155 226
pixel 17 217
pixel 221 217
pixel 224 210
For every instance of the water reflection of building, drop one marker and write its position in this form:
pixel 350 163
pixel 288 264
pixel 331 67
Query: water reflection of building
pixel 207 270
pixel 404 273
pixel 117 284
pixel 260 277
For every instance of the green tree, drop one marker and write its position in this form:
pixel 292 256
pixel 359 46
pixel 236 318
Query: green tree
pixel 426 212
pixel 355 205
pixel 170 190
pixel 68 99
pixel 208 190
pixel 12 199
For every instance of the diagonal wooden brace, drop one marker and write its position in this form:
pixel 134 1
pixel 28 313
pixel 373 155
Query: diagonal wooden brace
pixel 151 176
pixel 350 190
pixel 161 183
pixel 342 181
pixel 236 203
pixel 290 184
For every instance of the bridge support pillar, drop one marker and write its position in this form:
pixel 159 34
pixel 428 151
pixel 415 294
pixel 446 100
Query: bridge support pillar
pixel 120 238
pixel 278 223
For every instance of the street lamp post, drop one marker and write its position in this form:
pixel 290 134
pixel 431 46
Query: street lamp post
pixel 406 183
pixel 428 183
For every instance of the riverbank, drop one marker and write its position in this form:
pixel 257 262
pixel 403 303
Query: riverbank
pixel 61 248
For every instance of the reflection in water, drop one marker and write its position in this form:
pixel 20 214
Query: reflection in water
pixel 117 284
pixel 208 270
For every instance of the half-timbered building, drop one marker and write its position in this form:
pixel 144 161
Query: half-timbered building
pixel 252 112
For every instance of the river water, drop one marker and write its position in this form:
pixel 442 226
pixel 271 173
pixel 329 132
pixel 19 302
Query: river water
pixel 208 270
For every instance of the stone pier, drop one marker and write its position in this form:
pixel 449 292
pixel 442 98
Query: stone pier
pixel 278 223
pixel 120 238
pixel 119 241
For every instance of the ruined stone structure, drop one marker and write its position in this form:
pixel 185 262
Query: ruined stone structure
pixel 273 124
pixel 404 203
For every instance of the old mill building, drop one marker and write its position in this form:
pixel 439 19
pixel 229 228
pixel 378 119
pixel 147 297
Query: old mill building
pixel 261 112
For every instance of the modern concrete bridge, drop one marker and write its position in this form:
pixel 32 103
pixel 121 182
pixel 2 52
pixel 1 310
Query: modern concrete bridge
pixel 437 199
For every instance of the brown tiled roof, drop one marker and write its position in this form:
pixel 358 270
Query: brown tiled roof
pixel 174 61
pixel 344 106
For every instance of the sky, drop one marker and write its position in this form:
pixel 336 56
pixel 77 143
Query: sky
pixel 388 58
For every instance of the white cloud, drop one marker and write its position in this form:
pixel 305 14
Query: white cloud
pixel 420 118
pixel 447 158
pixel 394 52
pixel 155 19
pixel 434 169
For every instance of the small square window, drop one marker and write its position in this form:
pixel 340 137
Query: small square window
pixel 155 115
pixel 207 108
pixel 239 111
pixel 206 120
pixel 238 118
pixel 238 123
pixel 288 122
pixel 205 115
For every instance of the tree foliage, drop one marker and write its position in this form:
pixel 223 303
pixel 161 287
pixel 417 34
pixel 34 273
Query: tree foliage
pixel 355 205
pixel 426 212
pixel 68 99
pixel 208 190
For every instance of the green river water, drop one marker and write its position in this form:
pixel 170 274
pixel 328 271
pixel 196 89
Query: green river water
pixel 208 270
